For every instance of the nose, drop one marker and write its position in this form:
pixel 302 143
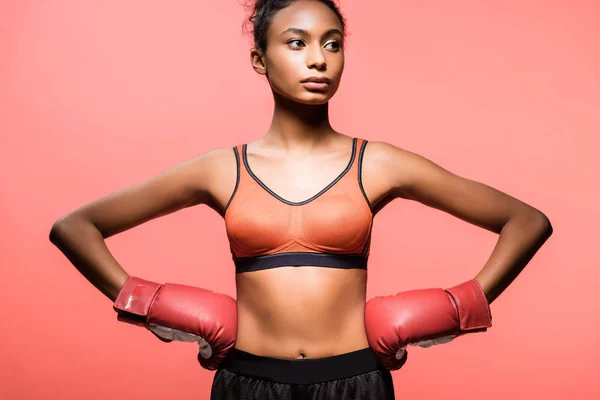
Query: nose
pixel 315 58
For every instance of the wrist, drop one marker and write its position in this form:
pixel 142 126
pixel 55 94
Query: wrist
pixel 136 297
pixel 473 309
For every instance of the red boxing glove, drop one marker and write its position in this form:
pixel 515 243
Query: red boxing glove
pixel 184 313
pixel 423 318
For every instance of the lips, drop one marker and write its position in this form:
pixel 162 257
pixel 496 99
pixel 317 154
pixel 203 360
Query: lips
pixel 316 79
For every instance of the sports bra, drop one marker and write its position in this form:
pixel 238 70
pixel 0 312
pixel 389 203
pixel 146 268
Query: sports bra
pixel 330 229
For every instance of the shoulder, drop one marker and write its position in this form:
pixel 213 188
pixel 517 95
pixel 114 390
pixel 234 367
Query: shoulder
pixel 208 161
pixel 201 173
pixel 402 171
pixel 215 165
pixel 220 156
pixel 386 152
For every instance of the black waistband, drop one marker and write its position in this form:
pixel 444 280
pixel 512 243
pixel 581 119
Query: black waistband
pixel 347 261
pixel 301 371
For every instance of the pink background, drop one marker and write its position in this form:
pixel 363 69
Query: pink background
pixel 96 96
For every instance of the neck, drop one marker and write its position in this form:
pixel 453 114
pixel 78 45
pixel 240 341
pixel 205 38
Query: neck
pixel 299 127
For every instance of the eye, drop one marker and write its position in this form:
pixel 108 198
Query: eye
pixel 295 41
pixel 336 47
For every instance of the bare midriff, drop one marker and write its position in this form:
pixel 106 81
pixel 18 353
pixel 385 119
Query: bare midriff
pixel 301 312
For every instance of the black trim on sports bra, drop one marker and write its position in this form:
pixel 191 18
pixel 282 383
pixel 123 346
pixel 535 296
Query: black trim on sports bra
pixel 367 244
pixel 360 158
pixel 291 203
pixel 346 261
pixel 237 179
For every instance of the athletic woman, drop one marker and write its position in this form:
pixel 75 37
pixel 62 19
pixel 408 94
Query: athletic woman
pixel 298 205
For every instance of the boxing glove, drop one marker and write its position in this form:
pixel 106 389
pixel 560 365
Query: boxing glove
pixel 183 313
pixel 424 317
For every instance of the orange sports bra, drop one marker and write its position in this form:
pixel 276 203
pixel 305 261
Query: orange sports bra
pixel 330 229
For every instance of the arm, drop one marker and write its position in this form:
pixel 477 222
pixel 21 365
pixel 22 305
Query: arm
pixel 170 311
pixel 522 228
pixel 434 316
pixel 80 234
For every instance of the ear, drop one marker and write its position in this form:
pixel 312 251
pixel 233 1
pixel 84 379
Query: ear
pixel 258 61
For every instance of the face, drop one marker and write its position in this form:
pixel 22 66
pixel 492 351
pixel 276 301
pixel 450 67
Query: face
pixel 304 41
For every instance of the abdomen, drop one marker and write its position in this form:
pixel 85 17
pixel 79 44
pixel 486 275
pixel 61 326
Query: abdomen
pixel 291 312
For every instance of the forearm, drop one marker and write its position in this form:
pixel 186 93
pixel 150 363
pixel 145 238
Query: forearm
pixel 520 239
pixel 82 243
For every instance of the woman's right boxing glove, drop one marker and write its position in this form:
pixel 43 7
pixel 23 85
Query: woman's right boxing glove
pixel 184 313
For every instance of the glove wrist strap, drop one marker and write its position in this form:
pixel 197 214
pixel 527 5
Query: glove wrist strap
pixel 473 308
pixel 136 296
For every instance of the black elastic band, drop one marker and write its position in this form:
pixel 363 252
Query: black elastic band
pixel 346 261
pixel 301 371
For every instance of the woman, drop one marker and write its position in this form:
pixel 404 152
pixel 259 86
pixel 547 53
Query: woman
pixel 298 205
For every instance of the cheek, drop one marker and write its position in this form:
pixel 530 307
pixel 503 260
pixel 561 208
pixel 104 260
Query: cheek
pixel 285 74
pixel 339 65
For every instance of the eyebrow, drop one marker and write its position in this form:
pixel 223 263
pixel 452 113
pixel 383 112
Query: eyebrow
pixel 305 33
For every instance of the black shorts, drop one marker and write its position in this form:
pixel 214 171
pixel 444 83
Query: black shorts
pixel 352 376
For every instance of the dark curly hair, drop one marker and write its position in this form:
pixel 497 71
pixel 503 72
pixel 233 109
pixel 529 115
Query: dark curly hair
pixel 262 15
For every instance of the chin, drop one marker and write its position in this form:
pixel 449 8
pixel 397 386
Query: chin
pixel 315 98
pixel 306 96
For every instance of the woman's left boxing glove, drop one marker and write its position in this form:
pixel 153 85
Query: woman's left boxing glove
pixel 423 318
pixel 184 313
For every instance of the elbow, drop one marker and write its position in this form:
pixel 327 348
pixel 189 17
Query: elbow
pixel 57 230
pixel 544 223
pixel 60 228
pixel 549 229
